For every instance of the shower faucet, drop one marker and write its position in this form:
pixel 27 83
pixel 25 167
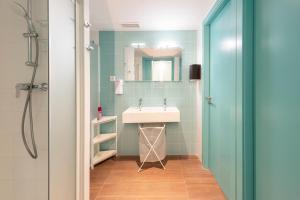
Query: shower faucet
pixel 26 87
pixel 165 104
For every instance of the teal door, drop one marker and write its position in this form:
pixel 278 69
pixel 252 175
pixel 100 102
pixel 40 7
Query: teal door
pixel 277 102
pixel 222 109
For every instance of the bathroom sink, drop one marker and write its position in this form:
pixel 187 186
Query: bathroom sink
pixel 151 115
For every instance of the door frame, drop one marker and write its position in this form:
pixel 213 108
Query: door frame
pixel 82 100
pixel 244 97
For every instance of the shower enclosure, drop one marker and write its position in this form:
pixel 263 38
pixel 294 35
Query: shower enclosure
pixel 37 151
pixel 23 104
pixel 32 37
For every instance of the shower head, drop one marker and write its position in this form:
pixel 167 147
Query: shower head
pixel 30 25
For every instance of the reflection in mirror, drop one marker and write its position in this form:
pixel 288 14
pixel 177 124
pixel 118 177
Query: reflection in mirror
pixel 152 64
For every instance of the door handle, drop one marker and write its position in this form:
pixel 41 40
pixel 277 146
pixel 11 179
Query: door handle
pixel 209 99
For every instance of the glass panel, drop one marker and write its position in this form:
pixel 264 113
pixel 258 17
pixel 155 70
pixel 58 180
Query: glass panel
pixel 23 84
pixel 62 97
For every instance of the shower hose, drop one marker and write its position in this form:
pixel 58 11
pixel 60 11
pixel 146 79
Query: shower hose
pixel 28 107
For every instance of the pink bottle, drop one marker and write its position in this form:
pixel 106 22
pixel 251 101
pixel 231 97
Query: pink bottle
pixel 99 113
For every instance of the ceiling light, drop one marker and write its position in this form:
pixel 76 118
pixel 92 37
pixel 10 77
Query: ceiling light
pixel 138 44
pixel 130 25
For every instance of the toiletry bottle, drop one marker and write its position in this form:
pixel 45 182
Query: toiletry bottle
pixel 99 113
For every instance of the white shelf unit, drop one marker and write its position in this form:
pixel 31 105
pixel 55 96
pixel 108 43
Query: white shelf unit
pixel 97 138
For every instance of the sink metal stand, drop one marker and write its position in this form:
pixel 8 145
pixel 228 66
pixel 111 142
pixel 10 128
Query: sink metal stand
pixel 151 146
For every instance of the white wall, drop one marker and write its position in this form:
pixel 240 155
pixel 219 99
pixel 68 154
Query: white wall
pixel 94 36
pixel 21 177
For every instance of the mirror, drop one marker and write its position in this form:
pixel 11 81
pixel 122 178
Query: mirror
pixel 152 64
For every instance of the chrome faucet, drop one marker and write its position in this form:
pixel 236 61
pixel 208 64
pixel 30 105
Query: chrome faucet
pixel 165 104
pixel 27 87
pixel 140 104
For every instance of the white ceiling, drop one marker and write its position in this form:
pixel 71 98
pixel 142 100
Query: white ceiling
pixel 150 14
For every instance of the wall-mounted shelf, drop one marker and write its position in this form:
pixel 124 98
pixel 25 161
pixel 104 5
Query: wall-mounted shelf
pixel 98 156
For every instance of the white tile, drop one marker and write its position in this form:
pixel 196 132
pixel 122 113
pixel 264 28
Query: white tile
pixel 6 172
pixel 6 143
pixel 42 190
pixel 9 122
pixel 25 189
pixel 6 189
pixel 24 168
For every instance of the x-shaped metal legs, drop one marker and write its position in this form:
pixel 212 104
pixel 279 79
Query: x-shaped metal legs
pixel 151 146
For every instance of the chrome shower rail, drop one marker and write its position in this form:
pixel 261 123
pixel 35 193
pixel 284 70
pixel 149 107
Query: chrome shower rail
pixel 32 37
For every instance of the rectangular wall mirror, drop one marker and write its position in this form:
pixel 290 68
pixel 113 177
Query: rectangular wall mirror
pixel 152 64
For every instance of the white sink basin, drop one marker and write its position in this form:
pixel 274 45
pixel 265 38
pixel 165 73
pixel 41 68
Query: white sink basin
pixel 151 115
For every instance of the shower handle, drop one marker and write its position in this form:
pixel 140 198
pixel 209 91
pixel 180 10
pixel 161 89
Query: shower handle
pixel 26 87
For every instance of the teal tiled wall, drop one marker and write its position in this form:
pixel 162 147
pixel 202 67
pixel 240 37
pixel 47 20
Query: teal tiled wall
pixel 107 68
pixel 181 137
pixel 94 89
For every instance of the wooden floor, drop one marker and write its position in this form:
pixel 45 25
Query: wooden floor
pixel 183 179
